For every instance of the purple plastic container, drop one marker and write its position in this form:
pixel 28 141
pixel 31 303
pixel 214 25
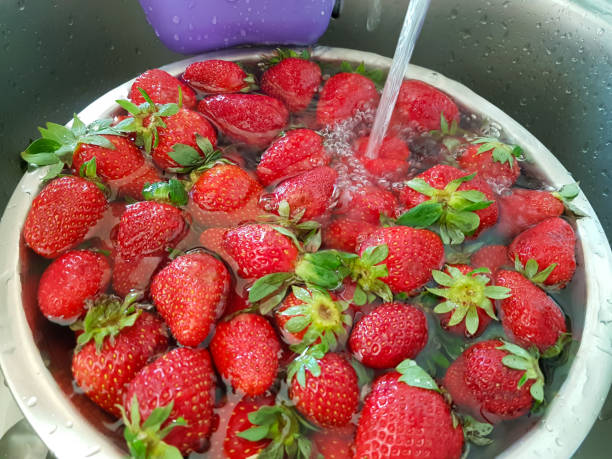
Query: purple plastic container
pixel 194 26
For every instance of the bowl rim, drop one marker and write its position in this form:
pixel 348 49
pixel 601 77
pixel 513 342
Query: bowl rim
pixel 67 434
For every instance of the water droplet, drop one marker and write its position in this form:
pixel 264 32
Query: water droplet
pixel 176 37
pixel 21 5
pixel 600 31
pixel 32 401
pixel 214 19
pixel 95 449
pixel 69 424
pixel 52 429
pixel 176 20
pixel 243 33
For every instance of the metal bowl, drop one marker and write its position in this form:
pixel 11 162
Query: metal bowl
pixel 35 357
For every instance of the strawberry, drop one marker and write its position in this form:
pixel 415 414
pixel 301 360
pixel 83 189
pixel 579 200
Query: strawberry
pixel 345 233
pixel 343 95
pixel 245 351
pixel 250 118
pixel 292 79
pixel 492 257
pixel 462 205
pixel 334 443
pixel 328 394
pixel 311 192
pixel 391 162
pixel 495 381
pixel 146 230
pixel 530 317
pixel 493 160
pixel 236 447
pixel 368 203
pixel 162 87
pixel 419 107
pixel 404 415
pixel 182 382
pixel 550 242
pixel 296 151
pixel 117 341
pixel 62 215
pixel 69 281
pixel 412 255
pixel 389 334
pixel 190 294
pixel 467 308
pixel 216 76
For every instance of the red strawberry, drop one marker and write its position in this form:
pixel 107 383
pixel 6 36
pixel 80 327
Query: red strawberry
pixel 69 281
pixel 552 241
pixel 190 294
pixel 162 87
pixel 344 233
pixel 391 162
pixel 117 342
pixel 529 316
pixel 236 303
pixel 494 162
pixel 184 380
pixel 389 334
pixel 484 381
pixel 217 76
pixel 259 250
pixel 464 196
pixel 492 257
pixel 334 443
pixel 293 80
pixel 246 351
pixel 413 254
pixel 343 95
pixel 401 420
pixel 236 447
pixel 419 107
pixel 123 169
pixel 368 203
pixel 327 394
pixel 146 230
pixel 62 215
pixel 524 208
pixel 250 118
pixel 297 151
pixel 311 192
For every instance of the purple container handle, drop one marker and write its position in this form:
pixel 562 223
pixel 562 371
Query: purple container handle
pixel 194 26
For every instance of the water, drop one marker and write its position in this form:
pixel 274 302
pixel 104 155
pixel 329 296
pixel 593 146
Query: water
pixel 417 9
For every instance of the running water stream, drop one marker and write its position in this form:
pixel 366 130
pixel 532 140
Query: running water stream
pixel 417 10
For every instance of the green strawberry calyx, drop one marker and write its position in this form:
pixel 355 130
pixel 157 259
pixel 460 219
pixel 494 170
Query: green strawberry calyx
pixel 413 375
pixel 146 119
pixel 527 361
pixel 464 294
pixel 89 171
pixel 285 427
pixel 449 135
pixel 170 192
pixel 376 75
pixel 106 317
pixel 562 341
pixel 500 152
pixel 566 195
pixel 306 235
pixel 324 317
pixel 191 160
pixel 452 212
pixel 366 271
pixel 145 440
pixel 281 54
pixel 58 143
pixel 474 431
pixel 308 360
pixel 531 270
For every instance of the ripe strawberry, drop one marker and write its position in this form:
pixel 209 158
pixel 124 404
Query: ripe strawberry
pixel 245 351
pixel 367 204
pixel 492 257
pixel 405 416
pixel 123 168
pixel 182 381
pixel 345 234
pixel 413 254
pixel 389 334
pixel 523 208
pixel 216 76
pixel 530 317
pixel 190 294
pixel 250 118
pixel 293 80
pixel 334 443
pixel 552 241
pixel 297 151
pixel 445 190
pixel 62 215
pixel 162 87
pixel 419 107
pixel 328 394
pixel 391 162
pixel 259 250
pixel 236 447
pixel 146 230
pixel 117 341
pixel 311 192
pixel 343 95
pixel 69 281
pixel 493 161
pixel 495 381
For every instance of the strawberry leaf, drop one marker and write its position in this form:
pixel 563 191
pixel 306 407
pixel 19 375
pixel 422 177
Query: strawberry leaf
pixel 556 349
pixel 421 216
pixel 521 360
pixel 500 152
pixel 414 375
pixel 273 284
pixel 172 192
pixel 476 432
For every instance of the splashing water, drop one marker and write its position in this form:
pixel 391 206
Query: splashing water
pixel 417 10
